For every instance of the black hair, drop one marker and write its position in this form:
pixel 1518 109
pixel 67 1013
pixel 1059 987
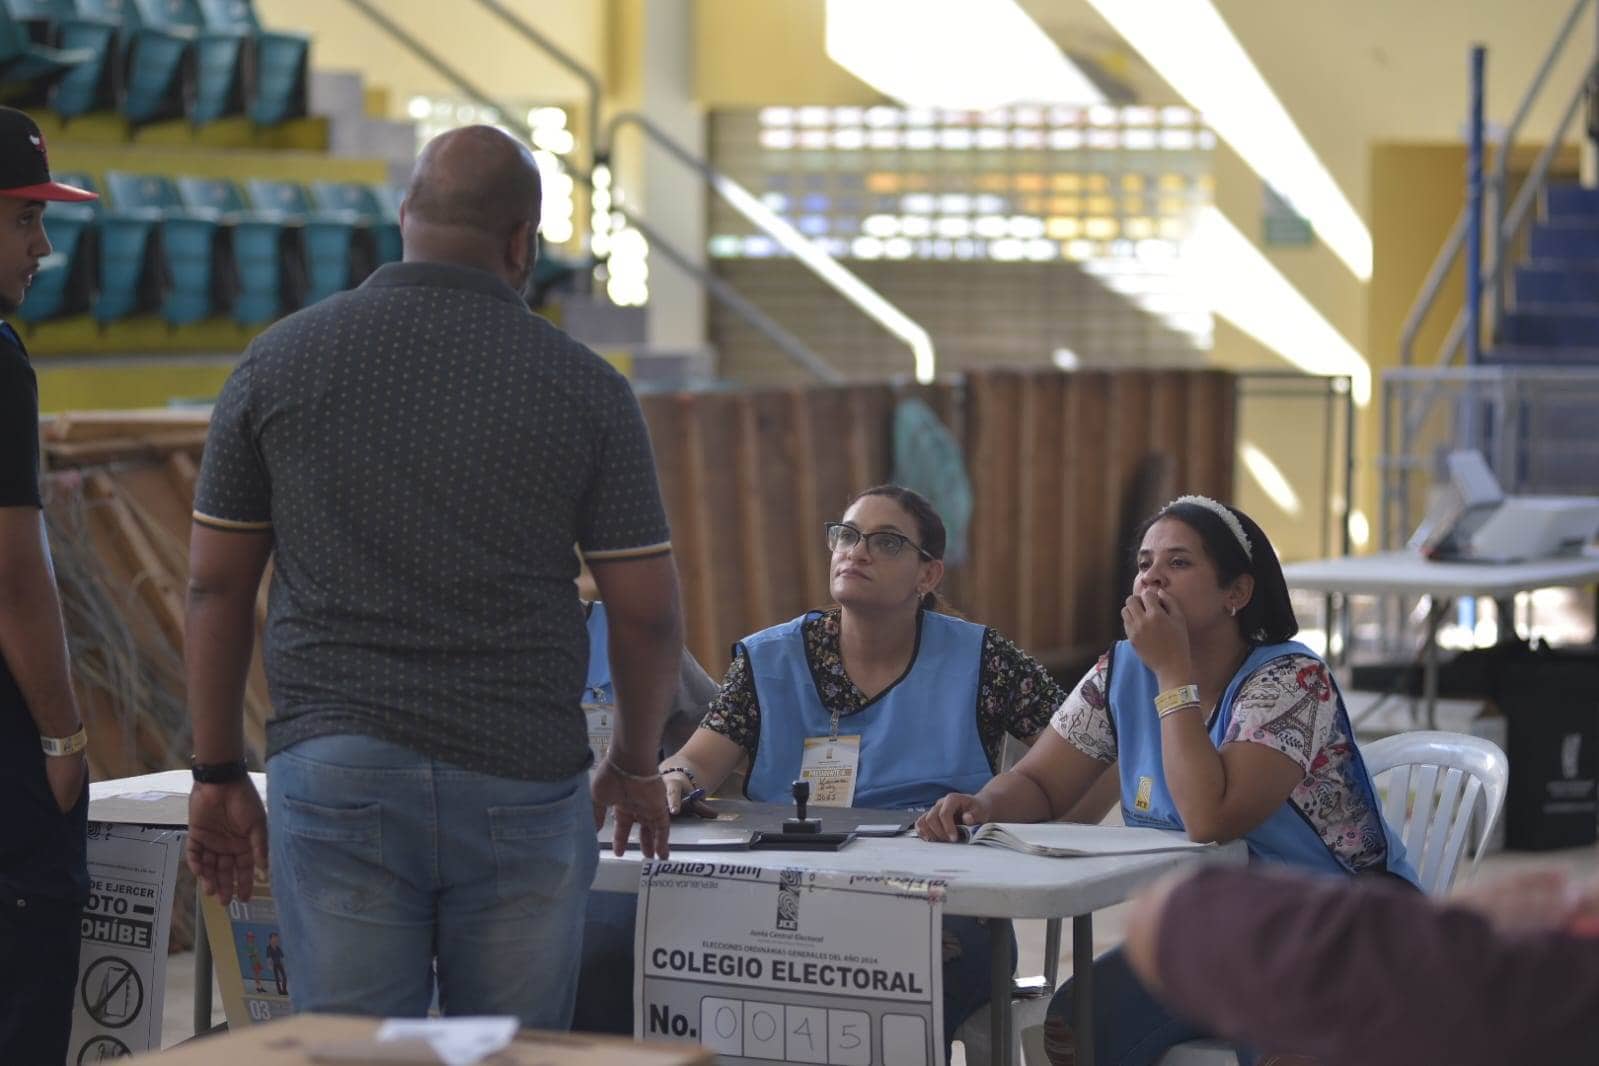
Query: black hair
pixel 930 533
pixel 1268 617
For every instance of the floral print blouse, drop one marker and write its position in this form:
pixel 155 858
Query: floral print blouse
pixel 1290 706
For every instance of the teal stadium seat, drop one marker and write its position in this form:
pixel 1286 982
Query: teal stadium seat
pixel 29 69
pixel 214 79
pixel 131 267
pixel 156 64
pixel 338 246
pixel 65 282
pixel 196 265
pixel 268 264
pixel 371 207
pixel 90 85
pixel 279 64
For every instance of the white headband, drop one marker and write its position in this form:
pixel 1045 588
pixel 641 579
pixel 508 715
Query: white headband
pixel 1221 511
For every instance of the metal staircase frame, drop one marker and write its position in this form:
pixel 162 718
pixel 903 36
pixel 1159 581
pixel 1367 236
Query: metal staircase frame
pixel 1415 392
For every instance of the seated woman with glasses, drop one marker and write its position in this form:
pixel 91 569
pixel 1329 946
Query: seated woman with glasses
pixel 903 702
pixel 1221 726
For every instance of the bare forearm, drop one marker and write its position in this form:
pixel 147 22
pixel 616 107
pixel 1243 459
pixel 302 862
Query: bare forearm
pixel 644 667
pixel 219 638
pixel 1194 772
pixel 1015 797
pixel 709 756
pixel 34 642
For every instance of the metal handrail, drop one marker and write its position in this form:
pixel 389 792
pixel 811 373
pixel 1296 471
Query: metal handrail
pixel 718 289
pixel 736 301
pixel 589 79
pixel 839 277
pixel 1501 173
pixel 1479 56
pixel 1441 265
pixel 1525 199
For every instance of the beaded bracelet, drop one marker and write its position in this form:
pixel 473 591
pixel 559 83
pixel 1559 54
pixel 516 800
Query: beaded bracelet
pixel 685 771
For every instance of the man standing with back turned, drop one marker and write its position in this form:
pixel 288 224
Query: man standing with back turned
pixel 44 872
pixel 420 456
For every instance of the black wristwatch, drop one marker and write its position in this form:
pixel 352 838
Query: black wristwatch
pixel 219 773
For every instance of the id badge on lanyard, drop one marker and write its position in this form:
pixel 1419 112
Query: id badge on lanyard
pixel 832 764
pixel 601 715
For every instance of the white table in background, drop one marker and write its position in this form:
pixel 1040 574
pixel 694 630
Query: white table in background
pixel 1406 573
pixel 983 882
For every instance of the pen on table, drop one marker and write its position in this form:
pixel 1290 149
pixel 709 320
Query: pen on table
pixel 689 798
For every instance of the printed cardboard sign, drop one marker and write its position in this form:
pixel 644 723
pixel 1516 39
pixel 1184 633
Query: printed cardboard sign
pixel 122 966
pixel 763 965
pixel 253 967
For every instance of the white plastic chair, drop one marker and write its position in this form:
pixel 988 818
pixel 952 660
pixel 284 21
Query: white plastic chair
pixel 1431 780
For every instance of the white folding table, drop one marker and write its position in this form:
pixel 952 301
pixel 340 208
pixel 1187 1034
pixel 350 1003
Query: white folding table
pixel 1406 573
pixel 984 882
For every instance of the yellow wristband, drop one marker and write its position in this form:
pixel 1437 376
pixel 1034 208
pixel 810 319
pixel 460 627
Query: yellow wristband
pixel 57 746
pixel 1174 698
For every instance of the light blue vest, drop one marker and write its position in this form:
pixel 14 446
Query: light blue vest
pixel 1286 836
pixel 919 739
pixel 597 688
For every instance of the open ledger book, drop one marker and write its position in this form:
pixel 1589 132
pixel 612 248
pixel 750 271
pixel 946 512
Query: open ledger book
pixel 1064 839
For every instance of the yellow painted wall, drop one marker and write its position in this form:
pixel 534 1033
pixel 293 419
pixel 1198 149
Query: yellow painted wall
pixel 1364 71
pixel 121 386
pixel 771 52
pixel 464 33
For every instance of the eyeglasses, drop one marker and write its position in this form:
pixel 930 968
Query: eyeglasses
pixel 882 543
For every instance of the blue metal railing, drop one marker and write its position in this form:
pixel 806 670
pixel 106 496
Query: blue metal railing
pixel 1479 56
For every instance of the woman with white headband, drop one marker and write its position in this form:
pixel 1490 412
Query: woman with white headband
pixel 1219 724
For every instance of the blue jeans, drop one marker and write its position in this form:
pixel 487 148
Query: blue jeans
pixel 384 860
pixel 605 991
pixel 1131 1027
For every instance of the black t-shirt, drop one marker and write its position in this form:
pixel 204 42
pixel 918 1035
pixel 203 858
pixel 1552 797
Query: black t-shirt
pixel 42 851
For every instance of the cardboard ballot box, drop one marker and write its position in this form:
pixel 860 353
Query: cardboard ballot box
pixel 326 1038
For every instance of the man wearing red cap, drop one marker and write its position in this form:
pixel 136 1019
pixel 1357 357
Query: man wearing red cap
pixel 44 789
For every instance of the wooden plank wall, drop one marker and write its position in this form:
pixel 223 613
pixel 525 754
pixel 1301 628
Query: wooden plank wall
pixel 751 476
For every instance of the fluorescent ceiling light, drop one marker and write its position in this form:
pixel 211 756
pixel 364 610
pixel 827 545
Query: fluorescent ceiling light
pixel 970 55
pixel 1189 44
pixel 1242 286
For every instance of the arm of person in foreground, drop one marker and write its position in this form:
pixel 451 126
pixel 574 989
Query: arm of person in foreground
pixel 646 646
pixel 227 822
pixel 1363 973
pixel 34 644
